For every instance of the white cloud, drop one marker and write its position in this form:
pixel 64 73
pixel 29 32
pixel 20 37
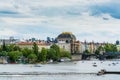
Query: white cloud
pixel 38 13
pixel 7 33
pixel 59 3
pixel 23 21
pixel 95 26
pixel 86 21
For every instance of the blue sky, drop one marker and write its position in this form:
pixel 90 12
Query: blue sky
pixel 97 20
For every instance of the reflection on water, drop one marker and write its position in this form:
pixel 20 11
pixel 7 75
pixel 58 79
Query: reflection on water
pixel 62 77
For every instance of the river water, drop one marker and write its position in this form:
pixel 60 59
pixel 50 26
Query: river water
pixel 80 70
pixel 62 77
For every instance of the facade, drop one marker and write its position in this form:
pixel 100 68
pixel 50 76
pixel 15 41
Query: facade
pixel 90 46
pixel 118 45
pixel 82 47
pixel 118 48
pixel 29 45
pixel 65 46
pixel 67 41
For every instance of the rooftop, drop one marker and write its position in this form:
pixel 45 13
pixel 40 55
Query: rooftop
pixel 67 35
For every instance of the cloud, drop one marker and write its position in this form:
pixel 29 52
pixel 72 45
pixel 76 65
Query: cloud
pixel 7 33
pixel 23 21
pixel 111 8
pixel 96 20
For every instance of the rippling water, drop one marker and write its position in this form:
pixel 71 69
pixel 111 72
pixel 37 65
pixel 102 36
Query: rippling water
pixel 62 77
pixel 62 71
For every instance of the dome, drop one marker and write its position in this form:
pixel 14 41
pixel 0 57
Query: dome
pixel 66 35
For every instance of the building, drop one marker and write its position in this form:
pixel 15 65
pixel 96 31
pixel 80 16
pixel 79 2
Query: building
pixel 67 41
pixel 29 45
pixel 118 45
pixel 11 40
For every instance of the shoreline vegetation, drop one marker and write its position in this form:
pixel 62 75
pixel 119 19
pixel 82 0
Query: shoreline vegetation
pixel 13 54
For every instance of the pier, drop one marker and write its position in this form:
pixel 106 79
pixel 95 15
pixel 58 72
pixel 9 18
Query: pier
pixel 102 72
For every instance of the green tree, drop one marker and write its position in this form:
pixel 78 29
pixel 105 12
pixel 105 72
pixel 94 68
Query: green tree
pixel 0 49
pixel 3 53
pixel 64 53
pixel 56 50
pixel 12 47
pixel 35 49
pixel 32 58
pixel 4 46
pixel 9 48
pixel 43 54
pixel 87 51
pixel 16 48
pixel 97 52
pixel 51 54
pixel 110 48
pixel 100 48
pixel 15 55
pixel 26 52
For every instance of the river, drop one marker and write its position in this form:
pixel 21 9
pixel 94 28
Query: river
pixel 79 70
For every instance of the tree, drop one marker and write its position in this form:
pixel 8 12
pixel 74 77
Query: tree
pixel 86 51
pixel 0 49
pixel 64 53
pixel 15 55
pixel 110 48
pixel 97 52
pixel 56 50
pixel 26 52
pixel 43 54
pixel 32 58
pixel 35 49
pixel 3 53
pixel 16 48
pixel 51 54
pixel 4 46
pixel 9 48
pixel 99 49
pixel 12 47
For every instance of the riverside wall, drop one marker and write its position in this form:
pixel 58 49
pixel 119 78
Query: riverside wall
pixel 76 57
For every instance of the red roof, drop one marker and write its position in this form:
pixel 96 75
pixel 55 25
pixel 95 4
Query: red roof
pixel 31 43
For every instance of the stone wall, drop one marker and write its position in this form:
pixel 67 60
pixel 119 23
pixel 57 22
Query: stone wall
pixel 76 57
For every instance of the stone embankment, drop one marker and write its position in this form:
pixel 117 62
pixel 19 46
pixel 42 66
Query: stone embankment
pixel 76 57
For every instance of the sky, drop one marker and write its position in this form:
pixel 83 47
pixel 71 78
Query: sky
pixel 91 20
